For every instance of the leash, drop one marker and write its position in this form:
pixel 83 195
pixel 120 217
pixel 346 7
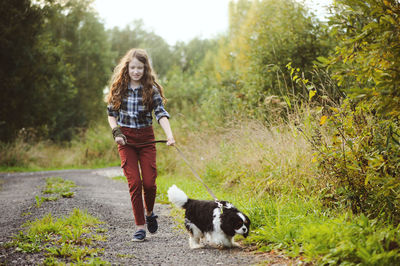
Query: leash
pixel 195 173
pixel 183 157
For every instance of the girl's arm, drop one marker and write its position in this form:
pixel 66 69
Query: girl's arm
pixel 164 123
pixel 112 121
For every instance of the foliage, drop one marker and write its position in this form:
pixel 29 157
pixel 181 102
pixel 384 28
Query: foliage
pixel 136 36
pixel 358 150
pixel 190 87
pixel 20 23
pixel 270 35
pixel 189 56
pixel 56 57
pixel 360 163
pixel 357 153
pixel 366 60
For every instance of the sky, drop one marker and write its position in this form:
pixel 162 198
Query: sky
pixel 176 20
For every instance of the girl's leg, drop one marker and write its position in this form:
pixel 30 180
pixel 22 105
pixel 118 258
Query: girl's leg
pixel 129 162
pixel 147 160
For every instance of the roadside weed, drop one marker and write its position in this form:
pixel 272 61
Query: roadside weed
pixel 57 187
pixel 39 201
pixel 72 238
pixel 52 261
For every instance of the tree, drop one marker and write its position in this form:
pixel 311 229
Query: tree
pixel 366 62
pixel 20 23
pixel 188 56
pixel 55 64
pixel 253 58
pixel 90 56
pixel 135 36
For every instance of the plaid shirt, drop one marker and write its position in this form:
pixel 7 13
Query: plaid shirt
pixel 132 112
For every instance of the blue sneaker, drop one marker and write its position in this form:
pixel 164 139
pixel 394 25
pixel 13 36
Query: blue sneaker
pixel 139 236
pixel 152 224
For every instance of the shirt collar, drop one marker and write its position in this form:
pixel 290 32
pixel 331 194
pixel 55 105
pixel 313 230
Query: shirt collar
pixel 134 88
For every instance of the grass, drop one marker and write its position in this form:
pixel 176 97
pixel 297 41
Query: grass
pixel 57 188
pixel 300 226
pixel 70 239
pixel 95 150
pixel 126 256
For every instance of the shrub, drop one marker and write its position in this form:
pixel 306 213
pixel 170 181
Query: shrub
pixel 360 162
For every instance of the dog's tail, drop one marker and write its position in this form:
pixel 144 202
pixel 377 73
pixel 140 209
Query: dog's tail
pixel 177 196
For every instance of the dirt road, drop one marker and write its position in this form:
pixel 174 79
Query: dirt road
pixel 109 201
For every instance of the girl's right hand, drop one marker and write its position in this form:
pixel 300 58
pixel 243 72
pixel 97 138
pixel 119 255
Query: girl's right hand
pixel 120 140
pixel 171 141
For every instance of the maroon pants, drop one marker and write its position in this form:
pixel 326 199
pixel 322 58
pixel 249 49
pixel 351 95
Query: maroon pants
pixel 139 165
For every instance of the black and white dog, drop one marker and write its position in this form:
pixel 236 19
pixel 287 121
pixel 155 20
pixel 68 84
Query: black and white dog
pixel 215 221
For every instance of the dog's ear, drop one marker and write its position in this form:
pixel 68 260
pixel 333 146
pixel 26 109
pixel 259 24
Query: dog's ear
pixel 229 220
pixel 247 223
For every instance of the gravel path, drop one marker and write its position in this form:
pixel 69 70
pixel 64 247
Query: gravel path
pixel 108 200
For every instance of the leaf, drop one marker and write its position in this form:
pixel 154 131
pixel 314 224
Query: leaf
pixel 287 100
pixel 323 60
pixel 323 120
pixel 335 109
pixel 312 93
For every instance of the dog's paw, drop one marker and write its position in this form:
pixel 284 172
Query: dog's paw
pixel 195 243
pixel 196 246
pixel 219 246
pixel 236 245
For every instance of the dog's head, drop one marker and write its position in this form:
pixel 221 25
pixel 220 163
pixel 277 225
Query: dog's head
pixel 235 222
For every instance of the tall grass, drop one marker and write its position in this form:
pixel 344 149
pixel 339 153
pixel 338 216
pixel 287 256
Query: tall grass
pixel 92 148
pixel 247 152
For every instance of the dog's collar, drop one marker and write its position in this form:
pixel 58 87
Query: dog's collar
pixel 220 206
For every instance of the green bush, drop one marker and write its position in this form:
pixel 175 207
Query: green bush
pixel 361 161
pixel 366 61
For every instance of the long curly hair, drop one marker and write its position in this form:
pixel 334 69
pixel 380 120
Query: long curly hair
pixel 120 80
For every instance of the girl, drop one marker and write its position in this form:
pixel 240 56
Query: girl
pixel 134 94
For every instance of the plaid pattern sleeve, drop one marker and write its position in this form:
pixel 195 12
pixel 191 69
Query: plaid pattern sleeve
pixel 112 112
pixel 159 109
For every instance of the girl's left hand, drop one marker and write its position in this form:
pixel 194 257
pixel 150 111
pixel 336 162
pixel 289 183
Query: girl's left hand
pixel 170 141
